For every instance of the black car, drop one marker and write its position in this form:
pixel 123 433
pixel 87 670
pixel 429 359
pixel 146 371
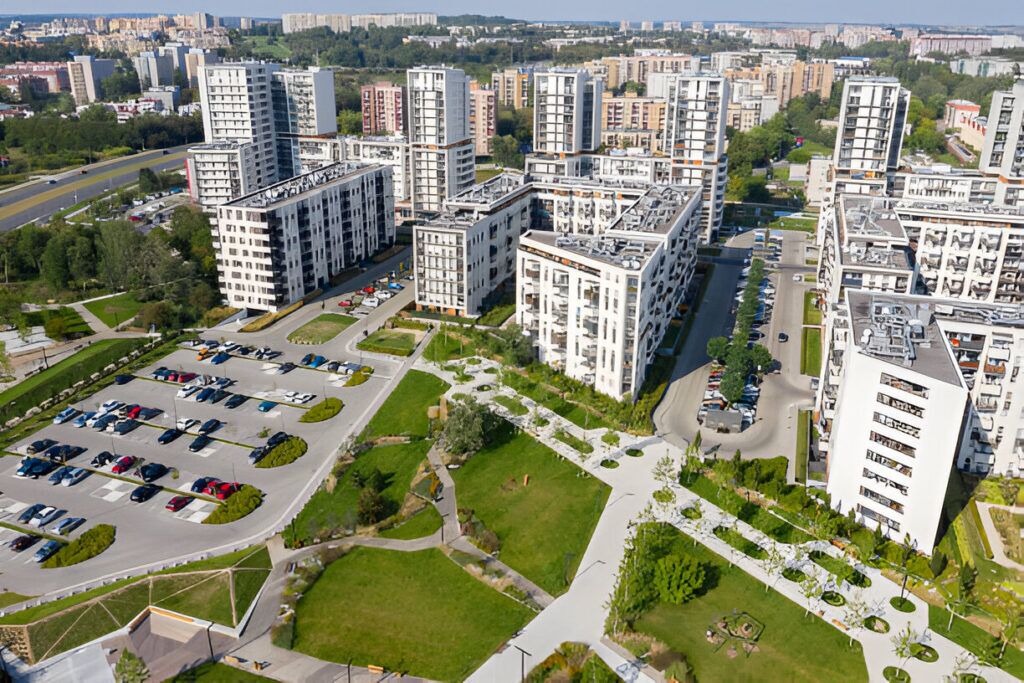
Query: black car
pixel 204 395
pixel 40 468
pixel 144 493
pixel 243 350
pixel 235 400
pixel 30 512
pixel 40 446
pixel 333 366
pixel 125 426
pixel 201 484
pixel 219 395
pixel 199 443
pixel 169 436
pixel 258 454
pixel 149 413
pixel 64 452
pixel 22 542
pixel 104 458
pixel 210 425
pixel 278 438
pixel 123 379
pixel 783 337
pixel 286 368
pixel 152 471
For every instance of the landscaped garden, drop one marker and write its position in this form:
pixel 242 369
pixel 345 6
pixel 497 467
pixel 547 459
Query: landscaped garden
pixel 541 507
pixel 812 314
pixel 405 410
pixel 420 524
pixel 116 309
pixel 392 342
pixel 810 351
pixel 839 569
pixel 321 329
pixel 60 323
pixel 417 613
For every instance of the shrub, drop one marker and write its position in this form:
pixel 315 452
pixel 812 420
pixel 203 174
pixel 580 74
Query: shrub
pixel 282 634
pixel 268 319
pixel 284 453
pixel 359 376
pixel 678 578
pixel 902 604
pixel 325 410
pixel 237 506
pixel 610 464
pixel 610 438
pixel 90 544
pixel 634 452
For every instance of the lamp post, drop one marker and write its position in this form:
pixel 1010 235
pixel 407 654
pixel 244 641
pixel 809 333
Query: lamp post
pixel 523 654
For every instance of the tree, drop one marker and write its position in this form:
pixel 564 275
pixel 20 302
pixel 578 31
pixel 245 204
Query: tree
pixel 964 598
pixel 56 327
pixel 6 367
pixel 907 551
pixel 760 357
pixel 464 429
pixel 678 578
pixel 351 122
pixel 130 669
pixel 505 151
pixel 157 314
pixel 148 181
pixel 372 506
pixel 855 612
pixel 717 348
pixel 665 471
pixel 774 562
pixel 903 643
pixel 811 590
pixel 732 385
pixel 938 562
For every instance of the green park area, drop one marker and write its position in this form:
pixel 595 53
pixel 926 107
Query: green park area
pixel 404 413
pixel 540 506
pixel 215 672
pixel 812 314
pixel 411 612
pixel 116 309
pixel 810 351
pixel 392 342
pixel 59 323
pixel 321 329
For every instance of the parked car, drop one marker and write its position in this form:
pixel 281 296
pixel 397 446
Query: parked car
pixel 345 303
pixel 204 394
pixel 40 446
pixel 123 464
pixel 186 423
pixel 368 290
pixel 220 358
pixel 244 350
pixel 64 415
pixel 160 373
pixel 110 406
pixel 22 542
pixel 144 493
pixel 318 361
pixel 48 549
pixel 199 485
pixel 25 466
pixel 169 436
pixel 783 337
pixel 211 425
pixel 224 382
pixel 307 359
pixel 223 490
pixel 257 454
pixel 103 459
pixel 235 400
pixel 149 413
pixel 266 406
pixel 44 516
pixel 67 525
pixel 384 295
pixel 284 368
pixel 176 503
pixel 186 377
pixel 124 411
pixel 396 285
pixel 185 392
pixel 120 380
pixel 371 302
pixel 59 474
pixel 125 426
pixel 152 471
pixel 83 418
pixel 133 412
pixel 332 366
pixel 74 476
pixel 199 443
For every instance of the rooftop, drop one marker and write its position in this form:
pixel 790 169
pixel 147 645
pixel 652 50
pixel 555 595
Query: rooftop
pixel 630 254
pixel 956 210
pixel 870 234
pixel 299 185
pixel 657 210
pixel 490 191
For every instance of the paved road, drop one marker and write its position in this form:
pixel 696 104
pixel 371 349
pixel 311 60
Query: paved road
pixel 38 200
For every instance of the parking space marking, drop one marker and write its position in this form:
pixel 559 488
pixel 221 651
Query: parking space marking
pixel 13 507
pixel 112 491
pixel 196 511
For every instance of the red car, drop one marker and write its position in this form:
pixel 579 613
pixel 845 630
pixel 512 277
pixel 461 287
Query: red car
pixel 134 411
pixel 345 303
pixel 187 377
pixel 368 290
pixel 123 464
pixel 171 376
pixel 222 490
pixel 178 502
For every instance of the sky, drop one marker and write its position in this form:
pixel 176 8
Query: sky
pixel 1000 12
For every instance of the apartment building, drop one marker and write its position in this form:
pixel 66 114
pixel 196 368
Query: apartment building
pixel 785 81
pixel 443 163
pixel 154 69
pixel 303 103
pixel 466 252
pixel 597 306
pixel 639 67
pixel 85 74
pixel 218 172
pixel 1002 156
pixel 872 118
pixel 483 118
pixel 513 86
pixel 566 111
pixel 280 243
pixel 632 121
pixel 954 185
pixel 899 404
pixel 629 166
pixel 195 60
pixel 383 108
pixel 339 23
pixel 694 139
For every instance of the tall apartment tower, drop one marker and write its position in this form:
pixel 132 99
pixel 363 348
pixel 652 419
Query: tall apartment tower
pixel 383 108
pixel 1003 153
pixel 566 111
pixel 442 159
pixel 870 136
pixel 513 86
pixel 85 74
pixel 483 118
pixel 694 139
pixel 154 69
pixel 304 106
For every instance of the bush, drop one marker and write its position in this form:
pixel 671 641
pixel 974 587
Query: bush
pixel 284 453
pixel 359 376
pixel 237 506
pixel 90 544
pixel 268 319
pixel 282 634
pixel 610 438
pixel 902 604
pixel 678 578
pixel 325 410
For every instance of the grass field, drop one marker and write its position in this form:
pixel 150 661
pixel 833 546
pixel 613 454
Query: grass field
pixel 327 511
pixel 808 225
pixel 405 410
pixel 812 314
pixel 263 49
pixel 75 325
pixel 974 639
pixel 215 672
pixel 793 647
pixel 116 309
pixel 389 341
pixel 513 405
pixel 810 351
pixel 445 347
pixel 321 329
pixel 544 525
pixel 483 174
pixel 423 523
pixel 408 612
pixel 803 429
pixel 576 414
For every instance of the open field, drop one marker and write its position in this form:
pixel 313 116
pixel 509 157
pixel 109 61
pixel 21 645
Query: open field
pixel 115 310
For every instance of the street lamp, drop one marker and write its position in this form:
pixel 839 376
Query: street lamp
pixel 523 654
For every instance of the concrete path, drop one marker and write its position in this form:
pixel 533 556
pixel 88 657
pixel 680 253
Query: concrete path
pixel 995 540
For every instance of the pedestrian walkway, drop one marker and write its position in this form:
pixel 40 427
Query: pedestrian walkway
pixel 995 540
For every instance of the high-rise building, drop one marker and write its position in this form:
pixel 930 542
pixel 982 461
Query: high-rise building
pixel 872 118
pixel 85 74
pixel 154 69
pixel 195 59
pixel 483 118
pixel 303 102
pixel 632 121
pixel 566 111
pixel 694 139
pixel 383 108
pixel 280 243
pixel 1002 156
pixel 513 86
pixel 442 158
pixel 202 21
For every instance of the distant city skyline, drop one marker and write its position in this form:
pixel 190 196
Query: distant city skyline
pixel 996 12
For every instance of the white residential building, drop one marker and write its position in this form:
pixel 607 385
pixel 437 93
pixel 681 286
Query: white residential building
pixel 218 172
pixel 597 306
pixel 694 139
pixel 872 118
pixel 285 241
pixel 566 111
pixel 1002 157
pixel 945 184
pixel 304 106
pixel 154 69
pixel 632 165
pixel 85 74
pixel 442 157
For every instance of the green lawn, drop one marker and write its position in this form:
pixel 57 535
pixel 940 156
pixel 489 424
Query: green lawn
pixel 483 174
pixel 408 612
pixel 808 225
pixel 570 411
pixel 445 347
pixel 327 512
pixel 497 315
pixel 215 672
pixel 764 521
pixel 263 49
pixel 389 341
pixel 115 310
pixel 545 525
pixel 423 523
pixel 812 314
pixel 793 647
pixel 810 351
pixel 321 329
pixel 7 598
pixel 974 639
pixel 405 410
pixel 513 405
pixel 74 325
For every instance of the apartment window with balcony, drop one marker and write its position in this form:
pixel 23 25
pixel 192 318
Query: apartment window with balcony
pixel 904 385
pixel 881 500
pixel 871 476
pixel 885 461
pixel 895 445
pixel 880 518
pixel 892 423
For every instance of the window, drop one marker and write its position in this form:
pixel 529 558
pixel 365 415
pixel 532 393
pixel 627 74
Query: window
pixel 877 517
pixel 881 500
pixel 890 463
pixel 892 423
pixel 904 385
pixel 893 444
pixel 871 476
pixel 902 406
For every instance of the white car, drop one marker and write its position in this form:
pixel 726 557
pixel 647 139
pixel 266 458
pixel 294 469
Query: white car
pixel 186 423
pixel 383 295
pixel 798 278
pixel 185 392
pixel 371 302
pixel 44 516
pixel 301 398
pixel 110 406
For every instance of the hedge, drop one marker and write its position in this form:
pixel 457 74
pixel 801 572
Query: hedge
pixel 407 324
pixel 359 376
pixel 237 506
pixel 285 453
pixel 325 410
pixel 268 319
pixel 90 544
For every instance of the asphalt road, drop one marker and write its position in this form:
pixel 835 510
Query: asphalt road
pixel 39 200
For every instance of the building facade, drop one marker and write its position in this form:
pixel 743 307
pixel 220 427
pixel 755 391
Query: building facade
pixel 1002 157
pixel 566 111
pixel 483 118
pixel 383 108
pixel 872 119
